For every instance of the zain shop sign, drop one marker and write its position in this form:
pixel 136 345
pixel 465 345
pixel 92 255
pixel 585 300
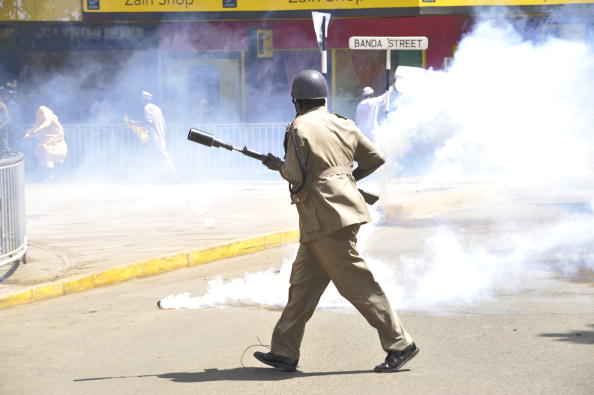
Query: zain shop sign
pixel 95 6
pixel 119 6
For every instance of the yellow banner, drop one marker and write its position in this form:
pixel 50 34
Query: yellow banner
pixel 292 5
pixel 237 5
pixel 477 3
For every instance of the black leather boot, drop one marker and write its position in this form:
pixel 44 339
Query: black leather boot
pixel 278 361
pixel 396 359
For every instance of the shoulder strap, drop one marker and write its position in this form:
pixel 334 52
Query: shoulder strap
pixel 292 135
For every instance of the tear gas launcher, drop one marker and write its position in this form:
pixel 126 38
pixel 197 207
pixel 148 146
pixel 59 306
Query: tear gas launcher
pixel 209 140
pixel 204 138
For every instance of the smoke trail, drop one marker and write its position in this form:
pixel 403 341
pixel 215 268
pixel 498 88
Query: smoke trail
pixel 451 270
pixel 265 288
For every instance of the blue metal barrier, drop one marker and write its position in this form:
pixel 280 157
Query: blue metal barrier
pixel 113 149
pixel 13 237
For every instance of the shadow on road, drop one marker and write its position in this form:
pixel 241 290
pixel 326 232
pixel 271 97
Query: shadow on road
pixel 246 374
pixel 236 374
pixel 579 337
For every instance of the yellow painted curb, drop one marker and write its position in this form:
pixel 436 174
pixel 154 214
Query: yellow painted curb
pixel 148 268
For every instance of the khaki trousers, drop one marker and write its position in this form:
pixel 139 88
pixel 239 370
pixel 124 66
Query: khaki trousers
pixel 334 258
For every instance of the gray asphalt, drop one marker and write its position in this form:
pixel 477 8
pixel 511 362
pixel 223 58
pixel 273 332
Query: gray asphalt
pixel 531 339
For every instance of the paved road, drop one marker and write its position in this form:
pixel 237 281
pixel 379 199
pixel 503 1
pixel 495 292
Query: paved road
pixel 81 229
pixel 518 325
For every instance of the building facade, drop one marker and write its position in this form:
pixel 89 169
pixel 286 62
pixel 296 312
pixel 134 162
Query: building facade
pixel 217 61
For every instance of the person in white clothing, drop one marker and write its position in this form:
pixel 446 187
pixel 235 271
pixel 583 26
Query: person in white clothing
pixel 366 112
pixel 154 123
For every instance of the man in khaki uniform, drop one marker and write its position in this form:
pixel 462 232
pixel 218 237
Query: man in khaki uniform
pixel 320 149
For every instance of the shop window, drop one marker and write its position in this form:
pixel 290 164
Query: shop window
pixel 202 88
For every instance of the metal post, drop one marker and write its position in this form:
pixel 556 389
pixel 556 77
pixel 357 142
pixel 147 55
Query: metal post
pixel 388 67
pixel 13 238
pixel 323 48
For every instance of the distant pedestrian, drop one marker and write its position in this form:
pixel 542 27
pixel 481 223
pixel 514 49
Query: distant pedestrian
pixel 366 112
pixel 372 109
pixel 154 124
pixel 51 147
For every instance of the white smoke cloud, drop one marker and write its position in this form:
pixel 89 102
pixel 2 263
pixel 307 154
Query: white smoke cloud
pixel 265 288
pixel 455 271
pixel 508 106
pixel 512 109
pixel 450 270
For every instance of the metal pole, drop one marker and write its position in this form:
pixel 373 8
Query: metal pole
pixel 388 67
pixel 325 57
pixel 324 54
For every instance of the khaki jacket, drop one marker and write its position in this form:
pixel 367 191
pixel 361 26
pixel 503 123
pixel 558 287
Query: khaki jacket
pixel 328 146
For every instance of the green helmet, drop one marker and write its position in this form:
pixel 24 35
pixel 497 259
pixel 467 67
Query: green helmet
pixel 309 84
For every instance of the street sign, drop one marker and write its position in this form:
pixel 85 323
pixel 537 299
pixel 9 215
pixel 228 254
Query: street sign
pixel 389 43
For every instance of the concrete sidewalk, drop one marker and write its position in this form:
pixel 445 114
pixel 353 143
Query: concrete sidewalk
pixel 82 235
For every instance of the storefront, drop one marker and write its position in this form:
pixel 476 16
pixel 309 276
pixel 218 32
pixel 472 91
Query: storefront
pixel 222 61
pixel 234 60
pixel 229 54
